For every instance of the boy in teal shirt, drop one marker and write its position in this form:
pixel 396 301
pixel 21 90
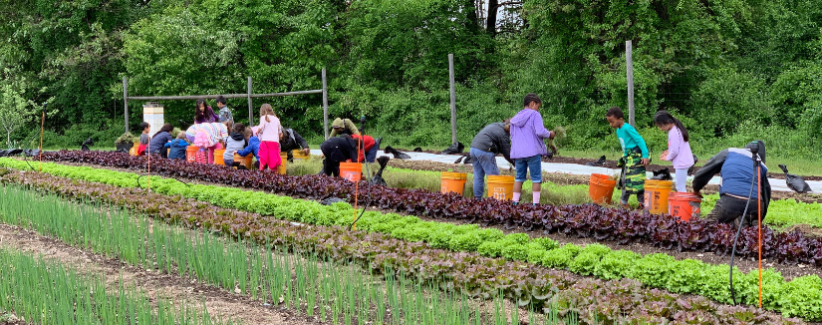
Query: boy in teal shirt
pixel 635 156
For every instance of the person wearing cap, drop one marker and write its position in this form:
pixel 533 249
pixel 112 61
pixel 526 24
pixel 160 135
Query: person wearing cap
pixel 337 150
pixel 736 169
pixel 343 126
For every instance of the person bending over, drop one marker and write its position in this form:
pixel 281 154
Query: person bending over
pixel 736 169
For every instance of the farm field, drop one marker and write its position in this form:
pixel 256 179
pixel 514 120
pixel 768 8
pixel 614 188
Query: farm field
pixel 297 241
pixel 526 246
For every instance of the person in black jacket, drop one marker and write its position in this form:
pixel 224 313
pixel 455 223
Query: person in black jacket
pixel 735 166
pixel 492 140
pixel 290 140
pixel 337 150
pixel 159 140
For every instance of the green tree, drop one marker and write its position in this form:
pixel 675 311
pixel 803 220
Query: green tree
pixel 15 109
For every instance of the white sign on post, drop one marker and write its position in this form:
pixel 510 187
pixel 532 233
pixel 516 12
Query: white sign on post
pixel 153 115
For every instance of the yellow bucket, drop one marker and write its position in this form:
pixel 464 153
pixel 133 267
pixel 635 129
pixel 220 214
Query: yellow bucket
pixel 299 155
pixel 501 187
pixel 656 196
pixel 283 161
pixel 453 182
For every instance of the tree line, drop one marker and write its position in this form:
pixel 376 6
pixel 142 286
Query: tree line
pixel 732 69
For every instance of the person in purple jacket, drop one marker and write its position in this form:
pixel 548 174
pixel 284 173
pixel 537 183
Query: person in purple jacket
pixel 679 149
pixel 528 146
pixel 203 113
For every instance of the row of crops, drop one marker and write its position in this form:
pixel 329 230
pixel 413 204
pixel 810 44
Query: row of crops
pixel 461 276
pixel 331 291
pixel 798 297
pixel 588 221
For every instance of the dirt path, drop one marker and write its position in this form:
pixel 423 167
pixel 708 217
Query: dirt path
pixel 219 303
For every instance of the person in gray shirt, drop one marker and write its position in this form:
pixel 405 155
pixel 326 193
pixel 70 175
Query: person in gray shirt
pixel 492 140
pixel 235 142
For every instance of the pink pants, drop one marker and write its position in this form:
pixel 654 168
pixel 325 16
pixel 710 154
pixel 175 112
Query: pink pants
pixel 270 155
pixel 209 155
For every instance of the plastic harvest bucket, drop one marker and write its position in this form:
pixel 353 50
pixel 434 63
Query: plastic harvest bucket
pixel 501 187
pixel 656 196
pixel 351 171
pixel 299 155
pixel 133 150
pixel 453 182
pixel 684 206
pixel 246 161
pixel 601 188
pixel 283 161
pixel 191 154
pixel 218 156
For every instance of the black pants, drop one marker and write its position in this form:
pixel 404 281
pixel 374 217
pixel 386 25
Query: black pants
pixel 331 167
pixel 728 209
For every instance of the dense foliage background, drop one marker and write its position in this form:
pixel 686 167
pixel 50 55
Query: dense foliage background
pixel 733 70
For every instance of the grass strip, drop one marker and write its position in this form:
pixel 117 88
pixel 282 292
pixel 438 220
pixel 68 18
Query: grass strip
pixel 686 276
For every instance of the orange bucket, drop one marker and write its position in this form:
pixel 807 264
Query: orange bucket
pixel 501 187
pixel 133 150
pixel 684 206
pixel 246 161
pixel 283 161
pixel 191 154
pixel 351 171
pixel 656 195
pixel 601 188
pixel 453 182
pixel 218 156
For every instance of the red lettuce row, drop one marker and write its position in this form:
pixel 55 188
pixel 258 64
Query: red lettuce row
pixel 587 221
pixel 594 301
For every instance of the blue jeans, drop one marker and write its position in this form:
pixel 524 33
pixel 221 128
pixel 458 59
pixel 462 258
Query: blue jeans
pixel 534 164
pixel 485 163
pixel 371 155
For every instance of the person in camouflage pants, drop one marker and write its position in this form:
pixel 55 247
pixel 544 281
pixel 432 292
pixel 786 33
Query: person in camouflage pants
pixel 634 178
pixel 635 157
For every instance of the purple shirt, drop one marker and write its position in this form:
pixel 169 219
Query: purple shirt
pixel 679 151
pixel 527 134
pixel 208 117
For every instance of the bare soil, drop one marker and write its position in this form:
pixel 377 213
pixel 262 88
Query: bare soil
pixel 219 303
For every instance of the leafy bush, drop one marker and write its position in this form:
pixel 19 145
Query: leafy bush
pixel 546 243
pixel 615 265
pixel 654 269
pixel 561 257
pixel 491 248
pixel 584 263
pixel 802 297
pixel 536 253
pixel 516 239
pixel 688 276
pixel 515 252
pixel 467 242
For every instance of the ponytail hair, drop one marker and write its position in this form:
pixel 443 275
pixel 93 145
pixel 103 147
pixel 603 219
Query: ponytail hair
pixel 663 118
pixel 266 110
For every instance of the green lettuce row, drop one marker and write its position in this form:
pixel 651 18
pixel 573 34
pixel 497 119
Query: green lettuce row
pixel 801 297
